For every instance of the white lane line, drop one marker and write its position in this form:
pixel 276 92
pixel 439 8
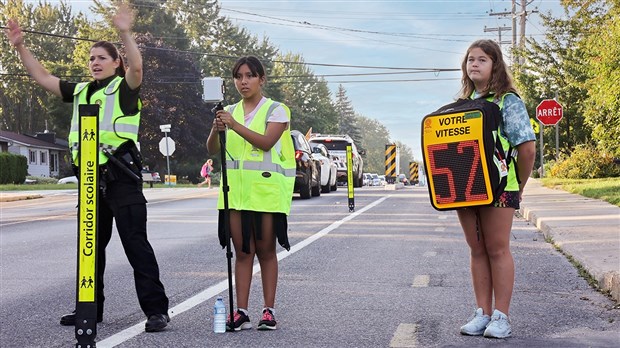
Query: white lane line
pixel 406 336
pixel 421 281
pixel 442 217
pixel 440 229
pixel 430 254
pixel 212 291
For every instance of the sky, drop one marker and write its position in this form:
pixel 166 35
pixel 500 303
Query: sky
pixel 392 39
pixel 409 34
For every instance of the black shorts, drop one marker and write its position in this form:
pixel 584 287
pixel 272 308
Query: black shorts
pixel 251 223
pixel 508 199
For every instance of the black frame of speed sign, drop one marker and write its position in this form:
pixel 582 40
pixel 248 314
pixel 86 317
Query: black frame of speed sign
pixel 88 192
pixel 454 158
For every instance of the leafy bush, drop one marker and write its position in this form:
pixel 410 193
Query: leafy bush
pixel 13 168
pixel 43 180
pixel 585 162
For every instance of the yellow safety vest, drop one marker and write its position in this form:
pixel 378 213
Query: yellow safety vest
pixel 115 127
pixel 258 180
pixel 512 184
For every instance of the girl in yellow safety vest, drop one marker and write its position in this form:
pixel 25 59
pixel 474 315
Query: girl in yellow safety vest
pixel 260 163
pixel 487 229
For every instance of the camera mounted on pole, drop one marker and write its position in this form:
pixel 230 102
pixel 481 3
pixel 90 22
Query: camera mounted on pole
pixel 213 88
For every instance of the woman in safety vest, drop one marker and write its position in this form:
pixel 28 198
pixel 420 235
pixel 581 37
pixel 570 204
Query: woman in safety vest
pixel 260 161
pixel 487 229
pixel 115 90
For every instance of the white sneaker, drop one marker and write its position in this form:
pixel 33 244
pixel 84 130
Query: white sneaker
pixel 499 327
pixel 476 326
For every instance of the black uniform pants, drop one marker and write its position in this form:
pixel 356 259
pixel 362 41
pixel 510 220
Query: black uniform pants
pixel 131 225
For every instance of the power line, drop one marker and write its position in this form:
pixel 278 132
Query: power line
pixel 235 57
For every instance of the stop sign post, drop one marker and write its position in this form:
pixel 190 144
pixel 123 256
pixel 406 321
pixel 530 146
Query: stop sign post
pixel 549 112
pixel 166 147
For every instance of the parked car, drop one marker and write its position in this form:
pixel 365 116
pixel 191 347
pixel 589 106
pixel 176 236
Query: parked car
pixel 366 179
pixel 308 173
pixel 402 179
pixel 150 177
pixel 68 180
pixel 337 145
pixel 375 181
pixel 382 180
pixel 328 167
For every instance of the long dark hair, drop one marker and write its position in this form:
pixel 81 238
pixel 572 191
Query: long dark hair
pixel 255 66
pixel 501 79
pixel 113 52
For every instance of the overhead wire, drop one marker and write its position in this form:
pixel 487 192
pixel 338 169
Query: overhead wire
pixel 346 31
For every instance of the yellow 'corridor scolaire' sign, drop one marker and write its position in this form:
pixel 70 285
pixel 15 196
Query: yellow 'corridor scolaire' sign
pixel 350 178
pixel 87 223
pixel 454 157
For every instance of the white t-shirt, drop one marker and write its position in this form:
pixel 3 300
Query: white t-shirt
pixel 278 115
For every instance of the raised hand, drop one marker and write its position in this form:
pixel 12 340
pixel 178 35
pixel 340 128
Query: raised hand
pixel 14 33
pixel 123 19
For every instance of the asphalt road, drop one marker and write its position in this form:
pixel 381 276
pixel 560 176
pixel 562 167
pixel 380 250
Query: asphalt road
pixel 394 273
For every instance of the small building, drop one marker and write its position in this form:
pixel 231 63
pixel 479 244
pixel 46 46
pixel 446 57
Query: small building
pixel 42 151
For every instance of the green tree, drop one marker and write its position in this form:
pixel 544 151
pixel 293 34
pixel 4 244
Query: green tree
pixel 171 95
pixel 307 96
pixel 556 65
pixel 375 136
pixel 404 157
pixel 347 120
pixel 603 82
pixel 26 107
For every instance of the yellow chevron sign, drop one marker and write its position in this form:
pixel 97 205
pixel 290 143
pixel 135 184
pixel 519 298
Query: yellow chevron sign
pixel 390 160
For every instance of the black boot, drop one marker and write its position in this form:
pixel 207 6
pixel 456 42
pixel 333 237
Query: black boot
pixel 156 322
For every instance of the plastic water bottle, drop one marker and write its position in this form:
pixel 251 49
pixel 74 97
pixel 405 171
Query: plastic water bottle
pixel 219 316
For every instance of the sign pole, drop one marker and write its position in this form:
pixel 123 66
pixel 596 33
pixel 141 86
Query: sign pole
pixel 542 164
pixel 557 133
pixel 350 178
pixel 168 160
pixel 549 113
pixel 88 192
pixel 167 149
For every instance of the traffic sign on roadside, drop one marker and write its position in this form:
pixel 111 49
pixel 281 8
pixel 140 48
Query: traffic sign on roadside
pixel 549 112
pixel 169 149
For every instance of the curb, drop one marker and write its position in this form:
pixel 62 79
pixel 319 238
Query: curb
pixel 608 281
pixel 13 198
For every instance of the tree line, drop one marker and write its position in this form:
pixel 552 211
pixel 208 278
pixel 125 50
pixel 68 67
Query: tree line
pixel 578 62
pixel 183 41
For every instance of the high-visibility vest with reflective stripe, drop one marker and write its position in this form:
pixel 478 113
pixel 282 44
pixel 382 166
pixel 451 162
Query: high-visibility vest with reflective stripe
pixel 258 180
pixel 115 127
pixel 512 184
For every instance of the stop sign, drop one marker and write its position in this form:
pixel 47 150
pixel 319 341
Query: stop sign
pixel 166 150
pixel 549 112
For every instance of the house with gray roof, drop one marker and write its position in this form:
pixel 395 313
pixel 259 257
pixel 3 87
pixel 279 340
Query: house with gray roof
pixel 43 151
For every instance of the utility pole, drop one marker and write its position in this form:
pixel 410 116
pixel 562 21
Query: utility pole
pixel 505 28
pixel 522 19
pixel 499 33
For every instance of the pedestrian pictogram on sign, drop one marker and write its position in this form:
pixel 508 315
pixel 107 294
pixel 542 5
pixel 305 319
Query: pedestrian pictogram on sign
pixel 549 112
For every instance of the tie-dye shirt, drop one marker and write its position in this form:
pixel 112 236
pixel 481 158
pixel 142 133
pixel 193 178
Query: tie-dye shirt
pixel 516 125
